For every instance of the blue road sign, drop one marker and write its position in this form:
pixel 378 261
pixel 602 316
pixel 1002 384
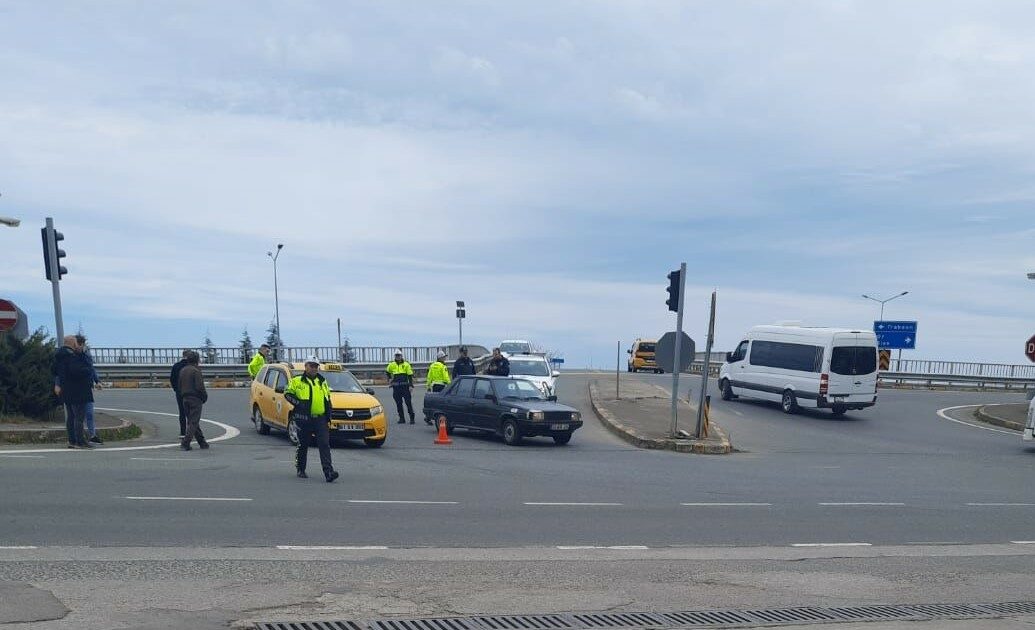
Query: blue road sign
pixel 895 335
pixel 556 360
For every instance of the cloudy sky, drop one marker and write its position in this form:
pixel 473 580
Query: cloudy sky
pixel 547 162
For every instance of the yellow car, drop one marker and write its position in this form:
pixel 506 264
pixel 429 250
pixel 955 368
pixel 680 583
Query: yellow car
pixel 355 413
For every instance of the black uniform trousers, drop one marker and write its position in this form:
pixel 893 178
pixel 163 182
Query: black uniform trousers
pixel 314 431
pixel 400 394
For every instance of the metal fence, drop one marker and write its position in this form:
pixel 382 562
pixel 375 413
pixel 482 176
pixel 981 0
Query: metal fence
pixel 956 368
pixel 235 356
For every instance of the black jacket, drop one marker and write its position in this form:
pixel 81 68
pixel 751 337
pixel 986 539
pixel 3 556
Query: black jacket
pixel 498 367
pixel 174 376
pixel 73 370
pixel 463 366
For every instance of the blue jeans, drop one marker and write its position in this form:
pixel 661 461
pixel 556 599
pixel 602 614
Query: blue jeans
pixel 90 431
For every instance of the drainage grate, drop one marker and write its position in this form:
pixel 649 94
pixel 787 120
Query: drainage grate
pixel 685 619
pixel 525 622
pixel 873 613
pixel 618 620
pixel 792 615
pixel 707 618
pixel 1010 608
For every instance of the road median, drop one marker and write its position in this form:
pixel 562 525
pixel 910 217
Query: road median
pixel 641 415
pixel 109 428
pixel 1009 416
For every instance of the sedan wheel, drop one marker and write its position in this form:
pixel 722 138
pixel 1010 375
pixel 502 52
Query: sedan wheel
pixel 511 433
pixel 259 422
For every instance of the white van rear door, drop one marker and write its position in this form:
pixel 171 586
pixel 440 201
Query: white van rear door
pixel 853 368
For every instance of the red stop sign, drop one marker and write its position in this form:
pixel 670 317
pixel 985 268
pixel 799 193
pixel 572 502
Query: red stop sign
pixel 1029 349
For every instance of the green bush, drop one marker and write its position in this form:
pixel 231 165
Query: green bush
pixel 26 384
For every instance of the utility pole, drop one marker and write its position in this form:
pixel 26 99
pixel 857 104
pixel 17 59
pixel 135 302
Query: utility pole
pixel 339 341
pixel 704 373
pixel 618 370
pixel 276 300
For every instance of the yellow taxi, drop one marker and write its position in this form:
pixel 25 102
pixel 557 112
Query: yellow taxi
pixel 355 413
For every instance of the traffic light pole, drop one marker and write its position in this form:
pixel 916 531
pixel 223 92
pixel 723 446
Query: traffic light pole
pixel 679 344
pixel 55 281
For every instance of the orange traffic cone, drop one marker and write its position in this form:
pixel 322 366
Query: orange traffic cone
pixel 443 436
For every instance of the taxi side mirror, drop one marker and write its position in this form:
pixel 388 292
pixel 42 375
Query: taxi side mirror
pixel 370 390
pixel 729 357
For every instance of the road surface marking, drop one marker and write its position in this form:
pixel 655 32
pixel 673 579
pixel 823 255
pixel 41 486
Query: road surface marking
pixel 331 547
pixel 1023 542
pixel 19 547
pixel 856 544
pixel 862 503
pixel 398 502
pixel 165 459
pixel 25 456
pixel 187 498
pixel 1001 504
pixel 615 547
pixel 943 414
pixel 229 433
pixel 574 504
pixel 727 504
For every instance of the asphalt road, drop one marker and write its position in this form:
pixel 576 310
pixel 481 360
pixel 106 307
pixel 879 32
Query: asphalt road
pixel 895 474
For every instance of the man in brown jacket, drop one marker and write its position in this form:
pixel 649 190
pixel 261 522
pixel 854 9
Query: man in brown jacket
pixel 192 390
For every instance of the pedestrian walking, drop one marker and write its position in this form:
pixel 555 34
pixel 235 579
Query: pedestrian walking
pixel 463 365
pixel 194 394
pixel 95 382
pixel 499 365
pixel 73 384
pixel 174 380
pixel 310 397
pixel 258 360
pixel 400 379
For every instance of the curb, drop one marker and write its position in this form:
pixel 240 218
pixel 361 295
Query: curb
pixel 630 435
pixel 125 431
pixel 983 414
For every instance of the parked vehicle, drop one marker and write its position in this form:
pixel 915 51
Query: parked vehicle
pixel 1029 429
pixel 510 347
pixel 356 413
pixel 512 408
pixel 824 368
pixel 641 356
pixel 535 368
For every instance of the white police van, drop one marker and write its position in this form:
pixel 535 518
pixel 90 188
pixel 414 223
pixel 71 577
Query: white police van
pixel 797 366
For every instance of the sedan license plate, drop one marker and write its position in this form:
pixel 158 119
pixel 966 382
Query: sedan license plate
pixel 558 427
pixel 839 399
pixel 350 427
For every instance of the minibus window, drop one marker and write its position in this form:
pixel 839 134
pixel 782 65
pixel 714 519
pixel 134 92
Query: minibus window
pixel 853 360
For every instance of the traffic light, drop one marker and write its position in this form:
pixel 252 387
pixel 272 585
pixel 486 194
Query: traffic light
pixel 51 238
pixel 673 291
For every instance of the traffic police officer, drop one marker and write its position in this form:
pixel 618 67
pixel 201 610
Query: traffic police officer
pixel 258 360
pixel 311 399
pixel 438 376
pixel 400 378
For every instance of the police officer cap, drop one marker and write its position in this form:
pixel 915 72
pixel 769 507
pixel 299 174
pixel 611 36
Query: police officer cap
pixel 312 361
pixel 442 354
pixel 399 352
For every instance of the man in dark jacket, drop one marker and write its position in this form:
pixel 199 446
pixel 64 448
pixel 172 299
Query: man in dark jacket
pixel 463 365
pixel 174 380
pixel 499 365
pixel 75 375
pixel 194 394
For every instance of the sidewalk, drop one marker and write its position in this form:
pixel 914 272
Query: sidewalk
pixel 1011 416
pixel 109 428
pixel 642 416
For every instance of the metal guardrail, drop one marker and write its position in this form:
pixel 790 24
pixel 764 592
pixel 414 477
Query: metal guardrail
pixel 235 356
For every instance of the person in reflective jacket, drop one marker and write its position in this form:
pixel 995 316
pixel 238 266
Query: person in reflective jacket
pixel 258 360
pixel 400 379
pixel 438 377
pixel 310 397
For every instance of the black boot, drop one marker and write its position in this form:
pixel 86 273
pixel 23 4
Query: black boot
pixel 331 476
pixel 302 474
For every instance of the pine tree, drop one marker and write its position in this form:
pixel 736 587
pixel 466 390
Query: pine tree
pixel 247 350
pixel 273 341
pixel 26 384
pixel 208 349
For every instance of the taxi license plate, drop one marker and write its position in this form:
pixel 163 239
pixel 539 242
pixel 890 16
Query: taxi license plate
pixel 350 427
pixel 558 427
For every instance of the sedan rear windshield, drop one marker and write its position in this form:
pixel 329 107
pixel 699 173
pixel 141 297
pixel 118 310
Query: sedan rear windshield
pixel 853 360
pixel 514 348
pixel 645 347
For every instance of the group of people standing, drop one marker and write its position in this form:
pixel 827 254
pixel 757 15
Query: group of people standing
pixel 74 381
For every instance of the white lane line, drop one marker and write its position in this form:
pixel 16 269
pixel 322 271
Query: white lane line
pixel 229 433
pixel 24 456
pixel 855 544
pixel 331 547
pixel 727 504
pixel 397 502
pixel 559 504
pixel 1001 504
pixel 187 498
pixel 19 547
pixel 1023 542
pixel 862 503
pixel 614 547
pixel 943 414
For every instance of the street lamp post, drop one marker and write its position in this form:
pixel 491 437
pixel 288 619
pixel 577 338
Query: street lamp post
pixel 882 303
pixel 276 299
